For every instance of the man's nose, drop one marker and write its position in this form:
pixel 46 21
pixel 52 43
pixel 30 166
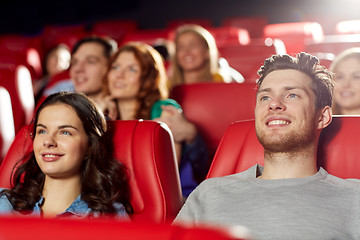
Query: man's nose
pixel 276 104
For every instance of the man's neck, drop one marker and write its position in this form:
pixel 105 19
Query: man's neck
pixel 289 165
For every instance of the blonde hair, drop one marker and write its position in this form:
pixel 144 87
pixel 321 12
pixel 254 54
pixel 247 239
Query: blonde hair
pixel 347 54
pixel 212 67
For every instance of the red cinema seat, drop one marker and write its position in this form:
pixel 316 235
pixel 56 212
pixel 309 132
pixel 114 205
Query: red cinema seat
pixel 29 57
pixel 7 129
pixel 54 34
pixel 20 43
pixel 247 59
pixel 19 85
pixel 175 23
pixel 333 44
pixel 213 106
pixel 338 148
pixel 348 27
pixel 254 24
pixel 110 229
pixel 295 34
pixel 146 148
pixel 115 29
pixel 148 36
pixel 230 36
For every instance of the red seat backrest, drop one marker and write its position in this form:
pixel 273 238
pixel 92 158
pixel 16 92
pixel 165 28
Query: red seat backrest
pixel 52 33
pixel 228 35
pixel 334 44
pixel 295 34
pixel 175 23
pixel 254 24
pixel 29 57
pixel 7 129
pixel 348 27
pixel 146 148
pixel 148 36
pixel 213 106
pixel 17 81
pixel 247 59
pixel 338 148
pixel 110 229
pixel 115 29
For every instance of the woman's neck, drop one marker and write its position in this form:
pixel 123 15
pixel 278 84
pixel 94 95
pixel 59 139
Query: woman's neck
pixel 97 97
pixel 196 76
pixel 59 194
pixel 127 108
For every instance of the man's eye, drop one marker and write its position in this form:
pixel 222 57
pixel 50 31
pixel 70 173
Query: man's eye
pixel 292 95
pixel 264 98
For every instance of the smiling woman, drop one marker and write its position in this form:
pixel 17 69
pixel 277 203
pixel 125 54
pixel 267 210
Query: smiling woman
pixel 69 172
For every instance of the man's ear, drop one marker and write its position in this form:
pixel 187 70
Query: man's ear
pixel 325 117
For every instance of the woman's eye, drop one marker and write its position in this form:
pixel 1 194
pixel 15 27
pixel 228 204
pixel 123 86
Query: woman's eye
pixel 292 95
pixel 115 67
pixel 41 131
pixel 132 69
pixel 65 133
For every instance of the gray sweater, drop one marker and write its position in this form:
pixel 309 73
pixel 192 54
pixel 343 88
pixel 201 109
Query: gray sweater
pixel 321 206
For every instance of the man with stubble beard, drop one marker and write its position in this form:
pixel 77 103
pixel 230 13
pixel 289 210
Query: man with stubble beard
pixel 288 197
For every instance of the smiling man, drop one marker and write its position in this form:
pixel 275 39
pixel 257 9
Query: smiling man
pixel 288 197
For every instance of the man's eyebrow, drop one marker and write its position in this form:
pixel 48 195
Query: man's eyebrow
pixel 266 90
pixel 263 90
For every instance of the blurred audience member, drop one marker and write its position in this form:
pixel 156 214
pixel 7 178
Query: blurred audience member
pixel 56 60
pixel 346 69
pixel 196 58
pixel 136 84
pixel 89 62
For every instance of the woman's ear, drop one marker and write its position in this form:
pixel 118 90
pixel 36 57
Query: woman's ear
pixel 325 117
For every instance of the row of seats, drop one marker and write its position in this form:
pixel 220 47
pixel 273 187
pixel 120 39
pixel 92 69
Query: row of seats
pixel 244 50
pixel 154 180
pixel 94 229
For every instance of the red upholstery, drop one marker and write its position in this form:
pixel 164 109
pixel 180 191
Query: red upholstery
pixel 7 129
pixel 146 148
pixel 175 23
pixel 338 149
pixel 254 24
pixel 247 59
pixel 149 36
pixel 115 29
pixel 94 229
pixel 295 34
pixel 52 33
pixel 213 106
pixel 334 44
pixel 18 83
pixel 29 57
pixel 229 35
pixel 20 43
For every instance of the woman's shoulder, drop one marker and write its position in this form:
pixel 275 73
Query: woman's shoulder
pixel 5 205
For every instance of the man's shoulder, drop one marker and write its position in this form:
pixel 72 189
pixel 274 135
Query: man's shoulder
pixel 227 181
pixel 343 183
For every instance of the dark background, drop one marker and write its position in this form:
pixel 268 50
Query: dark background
pixel 29 17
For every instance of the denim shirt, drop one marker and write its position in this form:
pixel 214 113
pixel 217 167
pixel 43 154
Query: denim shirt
pixel 78 208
